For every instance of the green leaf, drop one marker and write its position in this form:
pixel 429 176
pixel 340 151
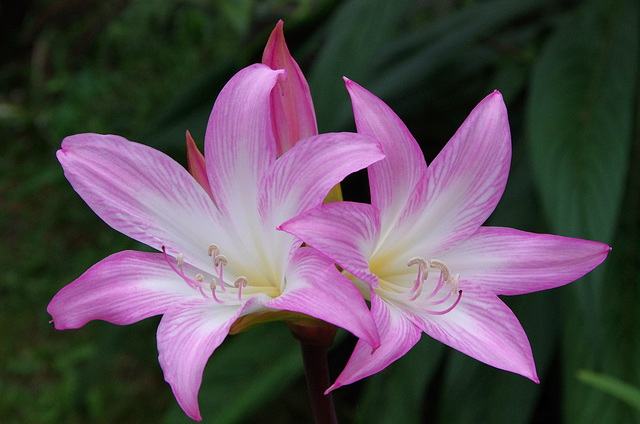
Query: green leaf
pixel 397 394
pixel 580 117
pixel 411 58
pixel 611 385
pixel 580 121
pixel 350 46
pixel 495 396
pixel 238 13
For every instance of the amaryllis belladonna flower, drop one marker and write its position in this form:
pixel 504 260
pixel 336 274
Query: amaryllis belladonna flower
pixel 420 254
pixel 222 265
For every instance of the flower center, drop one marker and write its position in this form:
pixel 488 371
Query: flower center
pixel 218 288
pixel 434 303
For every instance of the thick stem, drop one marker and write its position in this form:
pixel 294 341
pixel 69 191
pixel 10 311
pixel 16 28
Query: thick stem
pixel 314 342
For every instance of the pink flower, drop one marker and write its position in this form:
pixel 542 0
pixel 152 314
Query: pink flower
pixel 420 254
pixel 224 266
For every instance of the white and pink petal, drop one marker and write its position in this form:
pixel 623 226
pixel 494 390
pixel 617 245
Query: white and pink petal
pixel 123 288
pixel 464 182
pixel 301 178
pixel 315 287
pixel 510 262
pixel 239 142
pixel 142 193
pixel 393 179
pixel 346 232
pixel 482 327
pixel 187 335
pixel 397 335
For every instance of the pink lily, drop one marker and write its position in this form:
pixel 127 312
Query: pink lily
pixel 224 267
pixel 420 254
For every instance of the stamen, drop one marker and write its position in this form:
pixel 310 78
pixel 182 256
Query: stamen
pixel 445 278
pixel 220 259
pixel 450 308
pixel 212 285
pixel 423 273
pixel 437 287
pixel 418 261
pixel 180 262
pixel 219 262
pixel 446 274
pixel 239 284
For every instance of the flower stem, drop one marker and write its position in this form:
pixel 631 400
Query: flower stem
pixel 314 341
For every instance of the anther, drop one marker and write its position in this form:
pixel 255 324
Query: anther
pixel 220 259
pixel 199 278
pixel 421 262
pixel 423 273
pixel 446 274
pixel 213 249
pixel 180 260
pixel 239 284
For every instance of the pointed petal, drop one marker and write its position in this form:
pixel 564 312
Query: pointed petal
pixel 393 179
pixel 484 328
pixel 346 232
pixel 239 142
pixel 197 167
pixel 292 108
pixel 142 193
pixel 509 261
pixel 301 178
pixel 315 287
pixel 397 336
pixel 123 288
pixel 188 334
pixel 464 182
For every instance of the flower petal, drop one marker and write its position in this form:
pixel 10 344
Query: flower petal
pixel 301 178
pixel 291 106
pixel 393 179
pixel 143 193
pixel 397 336
pixel 464 182
pixel 197 167
pixel 510 262
pixel 123 288
pixel 188 334
pixel 346 232
pixel 239 142
pixel 315 287
pixel 483 327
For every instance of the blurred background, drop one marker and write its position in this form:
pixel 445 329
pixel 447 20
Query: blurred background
pixel 149 71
